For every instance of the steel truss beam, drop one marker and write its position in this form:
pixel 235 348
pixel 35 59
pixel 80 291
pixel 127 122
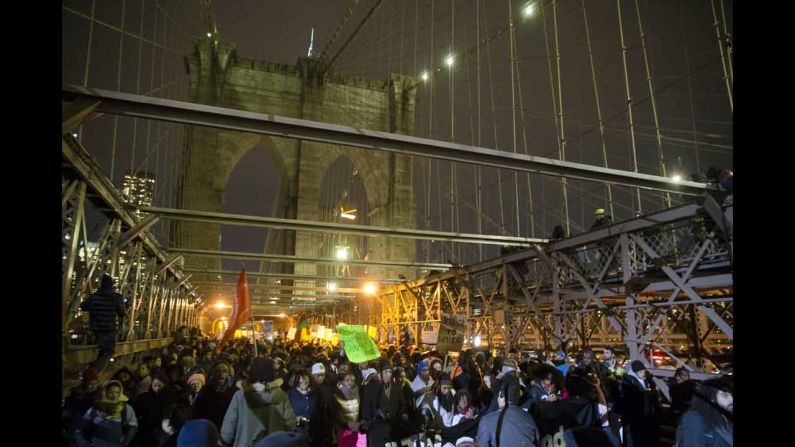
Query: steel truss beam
pixel 157 293
pixel 147 107
pixel 627 283
pixel 292 258
pixel 286 276
pixel 325 227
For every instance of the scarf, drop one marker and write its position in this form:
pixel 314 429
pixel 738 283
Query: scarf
pixel 349 393
pixel 110 409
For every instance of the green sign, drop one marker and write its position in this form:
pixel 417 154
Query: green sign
pixel 359 347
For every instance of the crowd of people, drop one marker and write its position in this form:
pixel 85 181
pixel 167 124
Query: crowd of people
pixel 293 393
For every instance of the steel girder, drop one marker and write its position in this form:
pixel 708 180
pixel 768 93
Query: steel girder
pixel 158 300
pixel 633 283
pixel 146 107
pixel 325 227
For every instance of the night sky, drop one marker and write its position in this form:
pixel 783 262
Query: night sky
pixel 691 100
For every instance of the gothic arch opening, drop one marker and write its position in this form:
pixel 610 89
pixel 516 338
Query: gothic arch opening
pixel 254 187
pixel 343 199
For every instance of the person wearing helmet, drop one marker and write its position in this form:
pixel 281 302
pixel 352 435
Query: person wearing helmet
pixel 602 219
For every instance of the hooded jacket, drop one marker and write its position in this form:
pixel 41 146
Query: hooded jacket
pixel 241 425
pixel 109 423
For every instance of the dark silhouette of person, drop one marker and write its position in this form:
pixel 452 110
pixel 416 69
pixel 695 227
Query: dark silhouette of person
pixel 103 306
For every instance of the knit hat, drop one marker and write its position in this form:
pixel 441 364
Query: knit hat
pixel 637 365
pixel 198 433
pixel 195 377
pixel 367 373
pixel 318 368
pixel 262 370
pixel 444 379
pixel 283 439
pixel 89 376
pixel 465 441
pixel 421 366
pixel 106 282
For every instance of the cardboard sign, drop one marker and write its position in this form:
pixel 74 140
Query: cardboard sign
pixel 429 337
pixel 359 347
pixel 267 327
pixel 291 333
pixel 451 333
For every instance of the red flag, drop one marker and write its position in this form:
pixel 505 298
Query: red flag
pixel 241 311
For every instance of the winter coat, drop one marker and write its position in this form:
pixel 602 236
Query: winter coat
pixel 143 386
pixel 692 432
pixel 345 410
pixel 518 429
pixel 321 425
pixel 76 404
pixel 381 414
pixel 637 405
pixel 303 405
pixel 103 309
pixel 241 425
pixel 108 429
pixel 149 408
pixel 212 404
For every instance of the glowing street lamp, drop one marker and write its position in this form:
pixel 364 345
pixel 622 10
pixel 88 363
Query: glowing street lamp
pixel 341 253
pixel 450 60
pixel 219 305
pixel 529 10
pixel 676 178
pixel 425 76
pixel 331 286
pixel 370 288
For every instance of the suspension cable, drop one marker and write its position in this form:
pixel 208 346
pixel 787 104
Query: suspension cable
pixel 562 154
pixel 660 153
pixel 629 102
pixel 726 78
pixel 494 119
pixel 478 181
pixel 598 106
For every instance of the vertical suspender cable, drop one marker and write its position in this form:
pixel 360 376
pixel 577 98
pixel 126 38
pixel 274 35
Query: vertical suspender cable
pixel 562 153
pixel 629 103
pixel 524 140
pixel 555 115
pixel 660 154
pixel 151 82
pixel 494 119
pixel 454 221
pixel 690 89
pixel 430 161
pixel 118 88
pixel 137 85
pixel 478 181
pixel 598 105
pixel 512 62
pixel 88 59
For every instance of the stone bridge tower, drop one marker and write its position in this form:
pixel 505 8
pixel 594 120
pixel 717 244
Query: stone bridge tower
pixel 220 77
